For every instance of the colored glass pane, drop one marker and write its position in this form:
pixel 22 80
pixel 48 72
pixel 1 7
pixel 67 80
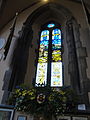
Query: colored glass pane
pixel 56 55
pixel 45 35
pixel 56 44
pixel 50 25
pixel 44 44
pixel 56 34
pixel 56 74
pixel 56 39
pixel 41 74
pixel 42 56
pixel 56 31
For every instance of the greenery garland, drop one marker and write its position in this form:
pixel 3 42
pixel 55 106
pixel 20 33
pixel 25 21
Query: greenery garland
pixel 43 101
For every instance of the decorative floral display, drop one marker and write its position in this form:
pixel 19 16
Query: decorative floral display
pixel 45 100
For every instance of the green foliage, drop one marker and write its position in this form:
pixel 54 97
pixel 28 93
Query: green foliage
pixel 46 101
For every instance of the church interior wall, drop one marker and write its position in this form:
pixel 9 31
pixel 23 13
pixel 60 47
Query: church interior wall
pixel 77 12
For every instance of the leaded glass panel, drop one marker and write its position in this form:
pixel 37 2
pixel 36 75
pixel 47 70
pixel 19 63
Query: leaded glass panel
pixel 56 74
pixel 56 55
pixel 41 75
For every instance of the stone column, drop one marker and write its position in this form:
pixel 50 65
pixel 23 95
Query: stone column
pixel 81 55
pixel 20 57
pixel 77 60
pixel 72 57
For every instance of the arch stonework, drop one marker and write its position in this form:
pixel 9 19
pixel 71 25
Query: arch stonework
pixel 24 42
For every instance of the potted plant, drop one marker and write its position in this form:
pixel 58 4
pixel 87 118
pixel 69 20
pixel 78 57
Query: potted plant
pixel 43 102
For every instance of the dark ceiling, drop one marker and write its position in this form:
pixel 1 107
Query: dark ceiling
pixel 8 8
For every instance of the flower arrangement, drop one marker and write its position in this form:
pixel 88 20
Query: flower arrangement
pixel 45 100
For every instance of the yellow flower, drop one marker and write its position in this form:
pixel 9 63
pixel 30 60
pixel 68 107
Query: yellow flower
pixel 18 92
pixel 32 98
pixel 24 92
pixel 51 97
pixel 61 92
pixel 64 99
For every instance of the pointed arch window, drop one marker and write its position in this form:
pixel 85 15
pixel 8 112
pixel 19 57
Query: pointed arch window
pixel 49 65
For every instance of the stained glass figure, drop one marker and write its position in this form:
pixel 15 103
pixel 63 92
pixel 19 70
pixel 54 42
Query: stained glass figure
pixel 50 25
pixel 56 74
pixel 41 74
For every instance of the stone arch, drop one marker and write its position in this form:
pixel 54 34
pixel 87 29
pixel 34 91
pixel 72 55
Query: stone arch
pixel 44 15
pixel 50 7
pixel 22 50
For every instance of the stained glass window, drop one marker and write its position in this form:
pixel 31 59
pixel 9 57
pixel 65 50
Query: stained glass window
pixel 50 25
pixel 41 76
pixel 50 58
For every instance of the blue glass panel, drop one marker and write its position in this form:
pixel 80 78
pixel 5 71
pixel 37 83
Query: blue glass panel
pixel 56 31
pixel 44 42
pixel 50 25
pixel 56 34
pixel 45 35
pixel 56 44
pixel 56 39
